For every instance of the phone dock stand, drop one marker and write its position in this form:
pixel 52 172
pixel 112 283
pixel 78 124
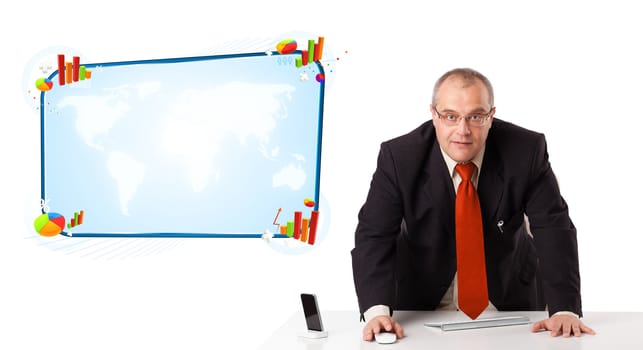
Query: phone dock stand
pixel 313 334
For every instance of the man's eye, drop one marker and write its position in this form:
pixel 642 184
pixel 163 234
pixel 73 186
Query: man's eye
pixel 451 117
pixel 476 117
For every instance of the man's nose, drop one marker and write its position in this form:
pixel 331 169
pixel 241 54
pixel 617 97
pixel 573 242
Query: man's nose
pixel 463 127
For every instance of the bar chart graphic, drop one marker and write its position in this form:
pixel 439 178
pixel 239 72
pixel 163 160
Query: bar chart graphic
pixel 76 220
pixel 71 72
pixel 302 229
pixel 312 54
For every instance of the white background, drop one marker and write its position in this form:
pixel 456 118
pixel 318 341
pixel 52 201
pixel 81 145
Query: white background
pixel 570 70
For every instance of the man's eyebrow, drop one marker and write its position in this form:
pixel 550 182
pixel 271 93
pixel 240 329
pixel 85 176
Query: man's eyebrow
pixel 475 110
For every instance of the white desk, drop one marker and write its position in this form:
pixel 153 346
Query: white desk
pixel 615 331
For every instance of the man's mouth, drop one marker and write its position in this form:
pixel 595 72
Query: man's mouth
pixel 464 143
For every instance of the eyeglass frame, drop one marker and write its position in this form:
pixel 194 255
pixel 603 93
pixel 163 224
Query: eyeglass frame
pixel 467 118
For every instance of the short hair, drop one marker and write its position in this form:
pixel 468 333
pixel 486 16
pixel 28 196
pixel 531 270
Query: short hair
pixel 468 75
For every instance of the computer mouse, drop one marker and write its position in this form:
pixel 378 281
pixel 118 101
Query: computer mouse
pixel 385 337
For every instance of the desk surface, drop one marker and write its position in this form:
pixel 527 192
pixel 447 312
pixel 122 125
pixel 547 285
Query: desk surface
pixel 615 330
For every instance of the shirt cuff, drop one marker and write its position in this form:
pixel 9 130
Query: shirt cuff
pixel 569 313
pixel 376 310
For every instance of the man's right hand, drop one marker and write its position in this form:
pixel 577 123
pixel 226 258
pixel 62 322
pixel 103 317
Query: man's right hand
pixel 382 324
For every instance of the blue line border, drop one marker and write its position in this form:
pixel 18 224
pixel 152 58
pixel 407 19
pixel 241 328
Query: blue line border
pixel 322 85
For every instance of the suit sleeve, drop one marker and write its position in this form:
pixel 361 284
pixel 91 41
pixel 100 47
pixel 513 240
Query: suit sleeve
pixel 554 236
pixel 379 224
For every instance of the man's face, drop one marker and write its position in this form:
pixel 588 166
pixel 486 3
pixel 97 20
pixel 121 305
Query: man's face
pixel 457 97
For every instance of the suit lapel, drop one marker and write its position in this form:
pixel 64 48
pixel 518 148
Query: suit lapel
pixel 491 181
pixel 438 187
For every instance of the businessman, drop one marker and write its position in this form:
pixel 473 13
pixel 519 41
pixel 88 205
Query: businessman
pixel 465 213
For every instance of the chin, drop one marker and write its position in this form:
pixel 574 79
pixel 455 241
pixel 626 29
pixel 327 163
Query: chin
pixel 461 158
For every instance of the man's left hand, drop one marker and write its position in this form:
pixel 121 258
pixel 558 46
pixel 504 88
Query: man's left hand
pixel 565 325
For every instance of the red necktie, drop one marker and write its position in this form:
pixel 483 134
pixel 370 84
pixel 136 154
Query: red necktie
pixel 472 273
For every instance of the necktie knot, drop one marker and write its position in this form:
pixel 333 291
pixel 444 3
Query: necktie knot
pixel 465 170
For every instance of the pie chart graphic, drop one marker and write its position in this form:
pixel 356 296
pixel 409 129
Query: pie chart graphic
pixel 43 84
pixel 286 46
pixel 309 202
pixel 49 224
pixel 320 77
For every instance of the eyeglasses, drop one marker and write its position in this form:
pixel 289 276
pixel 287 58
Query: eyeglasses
pixel 476 119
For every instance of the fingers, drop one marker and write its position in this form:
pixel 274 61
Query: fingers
pixel 538 326
pixel 567 329
pixel 547 325
pixel 370 330
pixel 564 326
pixel 555 327
pixel 384 324
pixel 586 329
pixel 399 331
pixel 576 330
pixel 381 324
pixel 374 326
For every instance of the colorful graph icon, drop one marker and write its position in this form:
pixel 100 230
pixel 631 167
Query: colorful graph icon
pixel 69 72
pixel 76 220
pixel 286 46
pixel 319 77
pixel 43 84
pixel 49 224
pixel 302 229
pixel 313 54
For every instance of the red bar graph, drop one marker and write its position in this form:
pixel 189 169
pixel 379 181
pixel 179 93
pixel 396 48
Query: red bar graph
pixel 76 68
pixel 61 70
pixel 297 232
pixel 304 57
pixel 312 234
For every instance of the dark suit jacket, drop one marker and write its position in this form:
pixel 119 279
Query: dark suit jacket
pixel 404 254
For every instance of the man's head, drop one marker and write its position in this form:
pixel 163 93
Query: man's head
pixel 462 92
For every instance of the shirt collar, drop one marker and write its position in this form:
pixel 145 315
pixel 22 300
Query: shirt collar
pixel 477 160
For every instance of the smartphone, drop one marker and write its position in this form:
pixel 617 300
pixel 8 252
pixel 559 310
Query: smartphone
pixel 311 312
